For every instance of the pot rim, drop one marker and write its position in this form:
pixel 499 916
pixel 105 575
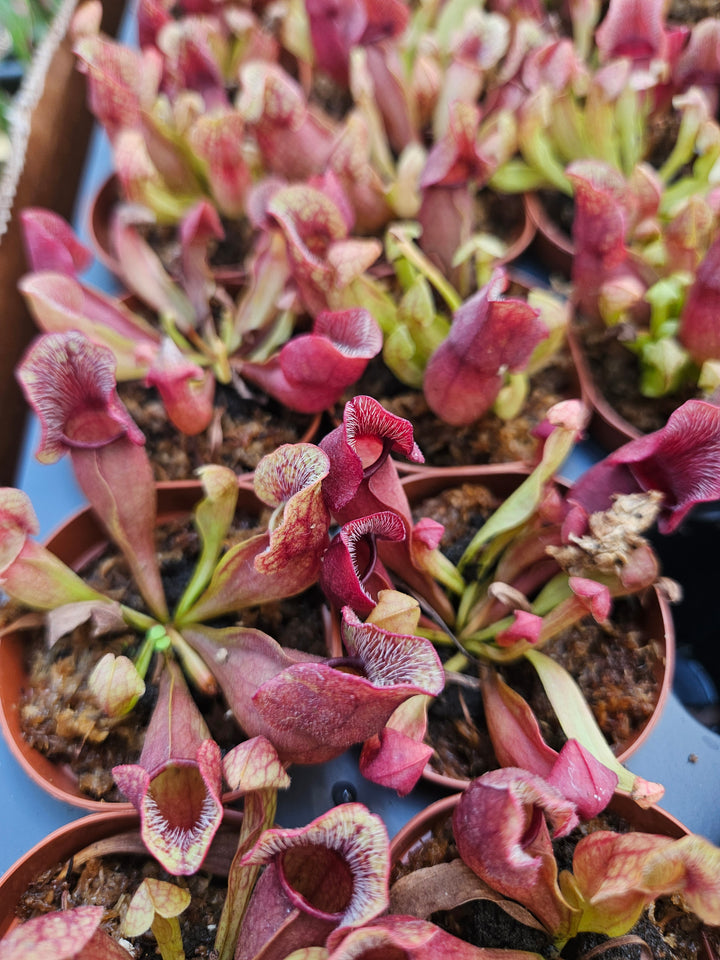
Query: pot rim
pixel 554 246
pixel 607 426
pixel 657 610
pixel 522 241
pixel 64 843
pixel 103 200
pixel 654 818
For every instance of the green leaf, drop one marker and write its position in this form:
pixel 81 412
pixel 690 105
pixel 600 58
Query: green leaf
pixel 400 242
pixel 511 397
pixel 574 714
pixel 522 502
pixel 516 176
pixel 709 378
pixel 154 897
pixel 450 18
pixel 664 364
pixel 213 516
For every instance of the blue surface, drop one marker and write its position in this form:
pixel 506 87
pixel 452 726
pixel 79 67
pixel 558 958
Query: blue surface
pixel 27 813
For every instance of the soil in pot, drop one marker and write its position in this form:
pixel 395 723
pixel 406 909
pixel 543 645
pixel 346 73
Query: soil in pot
pixel 226 256
pixel 616 665
pixel 110 882
pixel 690 11
pixel 61 721
pixel 615 374
pixel 501 214
pixel 101 861
pixel 243 430
pixel 489 439
pixel 669 931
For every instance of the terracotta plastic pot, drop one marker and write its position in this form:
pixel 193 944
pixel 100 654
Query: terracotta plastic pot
pixel 553 247
pixel 69 840
pixel 104 201
pixel 77 542
pixel 652 820
pixel 518 244
pixel 502 479
pixel 606 425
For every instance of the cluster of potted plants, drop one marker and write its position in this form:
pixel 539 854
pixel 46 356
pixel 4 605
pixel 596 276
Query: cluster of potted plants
pixel 321 437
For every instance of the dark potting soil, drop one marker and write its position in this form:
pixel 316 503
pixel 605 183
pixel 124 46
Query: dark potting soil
pixel 501 214
pixel 331 97
pixel 690 11
pixel 560 209
pixel 110 881
pixel 670 931
pixel 60 719
pixel 489 439
pixel 615 664
pixel 243 430
pixel 617 370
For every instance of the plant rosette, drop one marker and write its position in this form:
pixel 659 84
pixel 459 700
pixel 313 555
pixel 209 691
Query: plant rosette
pixel 627 703
pixel 219 373
pixel 589 879
pixel 67 746
pixel 469 403
pixel 531 566
pixel 207 631
pixel 587 94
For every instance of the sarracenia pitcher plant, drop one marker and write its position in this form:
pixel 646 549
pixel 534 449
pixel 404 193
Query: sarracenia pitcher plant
pixel 545 559
pixel 287 890
pixel 70 383
pixel 505 825
pixel 290 331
